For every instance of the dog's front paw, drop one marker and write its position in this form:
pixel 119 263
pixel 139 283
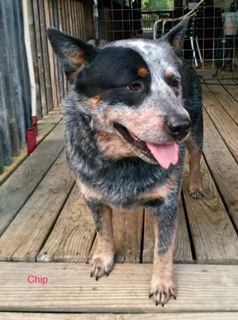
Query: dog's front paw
pixel 162 289
pixel 102 264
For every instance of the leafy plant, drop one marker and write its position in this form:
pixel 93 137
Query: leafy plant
pixel 154 5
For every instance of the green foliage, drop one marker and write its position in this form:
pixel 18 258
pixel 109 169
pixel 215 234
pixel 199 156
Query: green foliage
pixel 161 5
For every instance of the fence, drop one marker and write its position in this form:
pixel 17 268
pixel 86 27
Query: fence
pixel 73 17
pixel 15 105
pixel 211 40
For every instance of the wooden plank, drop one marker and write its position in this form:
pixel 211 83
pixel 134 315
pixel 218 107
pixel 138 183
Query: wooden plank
pixel 47 124
pixel 64 21
pixel 34 58
pixel 66 12
pixel 224 99
pixel 182 252
pixel 201 288
pixel 43 92
pixel 93 316
pixel 15 191
pixel 59 65
pixel 6 130
pixel 226 82
pixel 44 126
pixel 8 170
pixel 233 91
pixel 50 54
pixel 52 24
pixel 1 160
pixel 68 2
pixel 81 20
pixel 79 34
pixel 88 20
pixel 222 167
pixel 45 55
pixel 9 80
pixel 211 81
pixel 235 81
pixel 73 233
pixel 223 122
pixel 127 234
pixel 75 18
pixel 22 85
pixel 26 234
pixel 214 238
pixel 59 26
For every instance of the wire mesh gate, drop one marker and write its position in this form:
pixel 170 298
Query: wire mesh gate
pixel 212 29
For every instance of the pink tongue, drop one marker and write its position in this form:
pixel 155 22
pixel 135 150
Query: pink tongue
pixel 165 154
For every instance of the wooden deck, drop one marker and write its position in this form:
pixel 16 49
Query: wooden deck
pixel 47 231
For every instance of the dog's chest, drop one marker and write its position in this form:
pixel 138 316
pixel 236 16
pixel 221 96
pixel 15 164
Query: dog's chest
pixel 126 192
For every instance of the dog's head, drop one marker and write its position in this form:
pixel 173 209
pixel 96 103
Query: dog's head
pixel 131 88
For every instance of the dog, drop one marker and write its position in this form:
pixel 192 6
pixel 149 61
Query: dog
pixel 131 109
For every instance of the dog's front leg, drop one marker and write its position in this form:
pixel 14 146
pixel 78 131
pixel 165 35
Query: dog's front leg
pixel 103 258
pixel 165 222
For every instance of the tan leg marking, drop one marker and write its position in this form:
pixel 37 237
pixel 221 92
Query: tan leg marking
pixel 162 282
pixel 196 178
pixel 103 258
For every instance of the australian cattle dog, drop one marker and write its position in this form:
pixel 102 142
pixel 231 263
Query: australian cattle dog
pixel 132 107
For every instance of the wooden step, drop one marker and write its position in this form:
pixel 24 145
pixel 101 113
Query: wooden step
pixel 83 316
pixel 201 288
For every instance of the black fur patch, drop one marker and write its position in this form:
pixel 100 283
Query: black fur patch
pixel 153 203
pixel 113 75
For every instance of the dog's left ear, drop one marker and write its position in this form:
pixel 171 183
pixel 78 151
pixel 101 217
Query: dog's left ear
pixel 176 35
pixel 72 52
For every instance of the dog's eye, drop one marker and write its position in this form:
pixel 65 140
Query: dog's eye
pixel 134 86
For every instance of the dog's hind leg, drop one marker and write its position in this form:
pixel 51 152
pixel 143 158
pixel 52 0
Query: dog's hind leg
pixel 103 258
pixel 195 154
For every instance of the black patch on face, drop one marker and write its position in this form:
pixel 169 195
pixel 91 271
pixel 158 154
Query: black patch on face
pixel 153 204
pixel 113 75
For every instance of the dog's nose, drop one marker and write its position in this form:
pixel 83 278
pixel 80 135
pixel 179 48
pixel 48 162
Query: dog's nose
pixel 178 127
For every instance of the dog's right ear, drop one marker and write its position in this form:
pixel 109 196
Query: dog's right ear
pixel 175 37
pixel 72 53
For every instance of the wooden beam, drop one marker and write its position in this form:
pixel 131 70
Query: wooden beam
pixel 98 316
pixel 201 288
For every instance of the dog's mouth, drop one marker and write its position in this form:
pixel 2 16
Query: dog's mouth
pixel 164 154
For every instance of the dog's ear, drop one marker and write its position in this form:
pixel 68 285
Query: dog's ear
pixel 176 35
pixel 72 52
